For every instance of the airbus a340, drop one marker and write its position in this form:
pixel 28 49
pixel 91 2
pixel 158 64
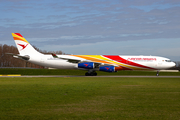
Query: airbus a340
pixel 91 63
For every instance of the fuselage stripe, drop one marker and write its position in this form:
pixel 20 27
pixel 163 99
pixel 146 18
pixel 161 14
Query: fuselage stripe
pixel 124 61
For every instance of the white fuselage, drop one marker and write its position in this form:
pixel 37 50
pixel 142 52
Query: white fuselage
pixel 155 62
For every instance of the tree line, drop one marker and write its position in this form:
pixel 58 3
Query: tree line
pixel 10 61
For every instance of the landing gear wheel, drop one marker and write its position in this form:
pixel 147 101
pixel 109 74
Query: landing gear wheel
pixel 87 74
pixel 91 74
pixel 157 74
pixel 95 74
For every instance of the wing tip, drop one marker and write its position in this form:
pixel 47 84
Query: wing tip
pixel 54 55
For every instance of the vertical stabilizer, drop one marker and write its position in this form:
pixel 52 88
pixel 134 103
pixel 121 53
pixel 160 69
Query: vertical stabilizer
pixel 23 45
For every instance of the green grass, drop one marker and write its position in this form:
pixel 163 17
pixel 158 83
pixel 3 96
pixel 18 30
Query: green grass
pixel 79 72
pixel 89 98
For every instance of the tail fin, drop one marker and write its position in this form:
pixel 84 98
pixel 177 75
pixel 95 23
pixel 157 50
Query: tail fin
pixel 23 45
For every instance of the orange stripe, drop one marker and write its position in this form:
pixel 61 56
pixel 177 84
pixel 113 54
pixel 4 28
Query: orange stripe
pixel 16 38
pixel 92 59
pixel 118 68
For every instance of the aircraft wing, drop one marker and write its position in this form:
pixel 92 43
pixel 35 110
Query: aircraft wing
pixel 69 60
pixel 25 57
pixel 97 64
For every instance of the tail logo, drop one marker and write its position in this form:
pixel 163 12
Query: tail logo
pixel 23 46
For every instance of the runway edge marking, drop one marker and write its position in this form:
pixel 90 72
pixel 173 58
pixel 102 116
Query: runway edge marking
pixel 10 75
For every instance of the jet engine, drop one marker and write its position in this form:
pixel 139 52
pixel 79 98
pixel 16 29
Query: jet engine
pixel 86 65
pixel 107 68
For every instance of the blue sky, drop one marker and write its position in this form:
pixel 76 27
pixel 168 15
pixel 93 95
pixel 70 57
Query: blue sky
pixel 124 27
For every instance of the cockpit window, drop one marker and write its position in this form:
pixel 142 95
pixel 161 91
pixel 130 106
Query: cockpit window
pixel 168 60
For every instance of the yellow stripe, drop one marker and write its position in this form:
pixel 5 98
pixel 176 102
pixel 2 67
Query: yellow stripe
pixel 93 59
pixel 99 57
pixel 22 39
pixel 109 61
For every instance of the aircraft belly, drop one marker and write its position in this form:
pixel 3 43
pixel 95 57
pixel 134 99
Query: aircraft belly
pixel 59 64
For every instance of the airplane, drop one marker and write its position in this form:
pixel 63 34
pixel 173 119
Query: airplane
pixel 90 63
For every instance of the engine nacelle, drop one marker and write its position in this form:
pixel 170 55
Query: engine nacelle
pixel 107 68
pixel 87 65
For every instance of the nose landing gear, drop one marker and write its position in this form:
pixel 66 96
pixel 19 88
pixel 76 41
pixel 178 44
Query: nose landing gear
pixel 157 74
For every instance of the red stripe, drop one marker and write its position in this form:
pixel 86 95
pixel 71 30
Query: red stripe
pixel 121 68
pixel 18 34
pixel 122 60
pixel 125 68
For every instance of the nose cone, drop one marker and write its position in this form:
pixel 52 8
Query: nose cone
pixel 173 64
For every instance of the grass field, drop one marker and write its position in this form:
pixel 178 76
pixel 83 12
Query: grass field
pixel 79 72
pixel 89 98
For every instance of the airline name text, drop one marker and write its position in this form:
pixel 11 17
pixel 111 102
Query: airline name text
pixel 146 59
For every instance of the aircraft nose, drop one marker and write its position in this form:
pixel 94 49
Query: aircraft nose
pixel 173 64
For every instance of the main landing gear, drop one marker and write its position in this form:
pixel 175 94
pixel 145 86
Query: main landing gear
pixel 91 73
pixel 157 74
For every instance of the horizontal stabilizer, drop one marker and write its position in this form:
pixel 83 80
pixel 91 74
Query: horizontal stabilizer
pixel 25 57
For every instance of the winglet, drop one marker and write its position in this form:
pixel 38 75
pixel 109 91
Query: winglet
pixel 54 55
